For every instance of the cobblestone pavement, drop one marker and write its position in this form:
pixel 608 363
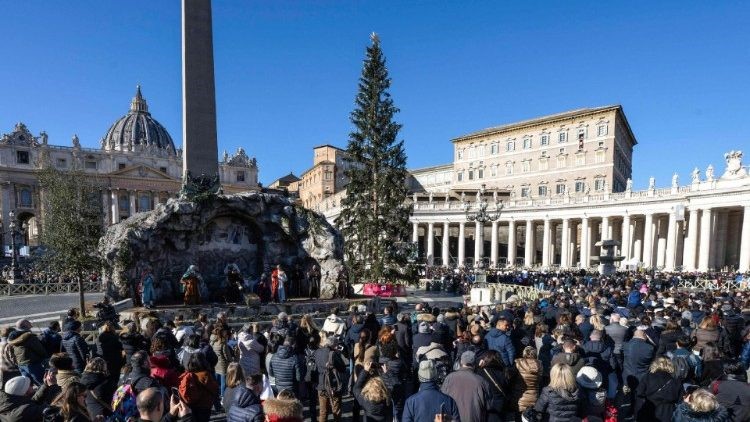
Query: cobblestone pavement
pixel 35 304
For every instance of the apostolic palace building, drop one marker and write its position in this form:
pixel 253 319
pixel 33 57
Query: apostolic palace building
pixel 136 168
pixel 543 192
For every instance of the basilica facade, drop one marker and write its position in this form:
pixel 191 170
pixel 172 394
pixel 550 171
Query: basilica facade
pixel 136 168
pixel 543 192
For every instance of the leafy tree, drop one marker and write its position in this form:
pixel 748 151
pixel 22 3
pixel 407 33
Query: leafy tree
pixel 374 216
pixel 71 224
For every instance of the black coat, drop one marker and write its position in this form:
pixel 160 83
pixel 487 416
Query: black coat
pixel 131 343
pixel 599 354
pixel 77 348
pixel 321 362
pixel 558 407
pixel 656 397
pixel 375 412
pixel 638 355
pixel 499 387
pixel 100 393
pixel 286 368
pixel 667 341
pixel 19 408
pixel 109 348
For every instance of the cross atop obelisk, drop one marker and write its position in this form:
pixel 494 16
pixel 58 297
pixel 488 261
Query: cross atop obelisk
pixel 200 152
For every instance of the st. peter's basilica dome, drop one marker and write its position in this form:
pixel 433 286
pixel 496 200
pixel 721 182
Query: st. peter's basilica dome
pixel 138 131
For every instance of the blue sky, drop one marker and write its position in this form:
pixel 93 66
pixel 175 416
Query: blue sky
pixel 286 71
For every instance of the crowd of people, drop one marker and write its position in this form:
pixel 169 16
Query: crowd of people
pixel 629 347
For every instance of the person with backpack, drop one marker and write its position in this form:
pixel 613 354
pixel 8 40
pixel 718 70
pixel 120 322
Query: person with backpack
pixel 309 388
pixel 151 408
pixel 136 381
pixel 687 365
pixel 331 385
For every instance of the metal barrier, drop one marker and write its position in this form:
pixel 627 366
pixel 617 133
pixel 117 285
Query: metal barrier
pixel 523 292
pixel 712 285
pixel 48 288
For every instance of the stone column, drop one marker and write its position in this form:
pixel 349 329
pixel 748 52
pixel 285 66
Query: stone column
pixel 691 243
pixel 546 240
pixel 133 202
pixel 648 241
pixel 704 253
pixel 115 206
pixel 430 243
pixel 493 244
pixel 552 242
pixel 585 242
pixel 625 244
pixel 528 259
pixel 565 243
pixel 478 242
pixel 744 262
pixel 637 245
pixel 511 242
pixel 105 208
pixel 461 244
pixel 661 241
pixel 669 259
pixel 592 238
pixel 415 232
pixel 605 228
pixel 446 242
pixel 720 244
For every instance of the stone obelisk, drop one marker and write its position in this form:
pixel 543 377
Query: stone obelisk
pixel 200 151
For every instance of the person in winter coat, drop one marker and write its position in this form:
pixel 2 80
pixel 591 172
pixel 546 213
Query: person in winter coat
pixel 490 368
pixel 109 348
pixel 593 396
pixel 372 395
pixel 733 392
pixel 51 338
pixel 424 405
pixel 132 341
pixel 569 356
pixel 470 391
pixel 701 406
pixel 285 367
pixel 560 400
pixel 334 325
pixel 712 367
pixel 499 339
pixel 139 377
pixel 18 403
pixel 224 356
pixel 247 406
pixel 29 352
pixel 658 393
pixel 235 381
pixel 8 365
pixel 638 354
pixel 707 332
pixel 251 344
pixel 745 353
pixel 100 386
pixel 526 377
pixel 668 338
pixel 62 365
pixel 322 358
pixel 72 403
pixel 199 388
pixel 75 346
pixel 598 352
pixel 192 346
pixel 162 371
pixel 422 338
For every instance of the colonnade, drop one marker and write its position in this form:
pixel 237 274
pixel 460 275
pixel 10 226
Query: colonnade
pixel 115 209
pixel 695 239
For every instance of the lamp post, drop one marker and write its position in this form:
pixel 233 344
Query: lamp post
pixel 482 216
pixel 14 230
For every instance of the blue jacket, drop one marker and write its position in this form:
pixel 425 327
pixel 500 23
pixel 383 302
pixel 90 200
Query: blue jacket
pixel 745 355
pixel 285 367
pixel 423 406
pixel 693 360
pixel 246 408
pixel 500 341
pixel 638 355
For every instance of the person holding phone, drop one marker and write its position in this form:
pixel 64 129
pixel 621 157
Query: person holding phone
pixel 150 405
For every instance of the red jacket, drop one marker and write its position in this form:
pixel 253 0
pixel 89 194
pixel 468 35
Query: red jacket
pixel 162 371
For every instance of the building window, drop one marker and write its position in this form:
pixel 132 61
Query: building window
pixel 580 159
pixel 480 174
pixel 525 166
pixel 493 149
pixel 471 174
pixel 542 190
pixel 163 170
pixel 560 162
pixel 493 171
pixel 89 165
pixel 524 192
pixel 580 186
pixel 599 184
pixel 124 203
pixel 543 163
pixel 481 150
pixel 460 176
pixel 601 130
pixel 62 163
pixel 562 137
pixel 24 197
pixel 600 157
pixel 121 166
pixel 544 140
pixel 240 176
pixel 471 152
pixel 510 146
pixel 22 157
pixel 460 154
pixel 527 143
pixel 581 133
pixel 560 188
pixel 144 202
pixel 508 169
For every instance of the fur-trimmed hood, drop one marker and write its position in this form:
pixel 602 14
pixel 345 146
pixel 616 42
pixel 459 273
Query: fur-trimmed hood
pixel 426 317
pixel 279 410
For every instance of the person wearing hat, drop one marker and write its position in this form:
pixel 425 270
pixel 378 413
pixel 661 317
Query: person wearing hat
pixel 429 401
pixel 470 391
pixel 75 346
pixel 29 351
pixel 17 403
pixel 593 397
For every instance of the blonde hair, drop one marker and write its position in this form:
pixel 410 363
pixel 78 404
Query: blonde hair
pixel 701 400
pixel 97 365
pixel 596 321
pixel 308 323
pixel 661 364
pixel 528 318
pixel 562 378
pixel 376 391
pixel 528 353
pixel 235 376
pixel 707 324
